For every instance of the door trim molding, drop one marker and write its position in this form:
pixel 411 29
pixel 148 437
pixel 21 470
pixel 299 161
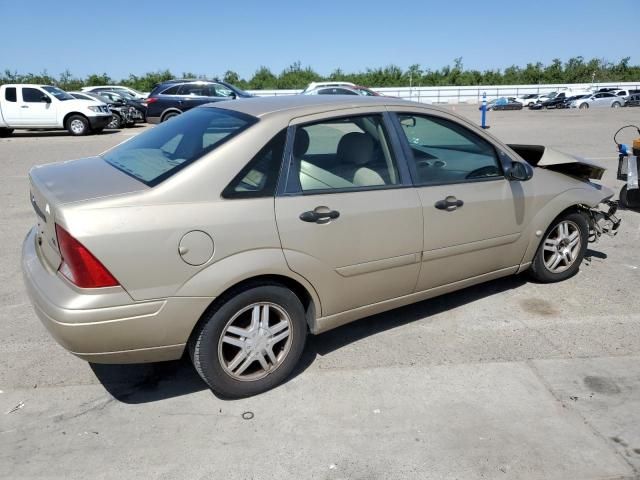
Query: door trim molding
pixel 469 247
pixel 330 322
pixel 377 265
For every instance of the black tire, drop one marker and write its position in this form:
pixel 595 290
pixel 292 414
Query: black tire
pixel 77 125
pixel 630 199
pixel 539 270
pixel 116 122
pixel 168 116
pixel 584 106
pixel 5 132
pixel 616 105
pixel 206 348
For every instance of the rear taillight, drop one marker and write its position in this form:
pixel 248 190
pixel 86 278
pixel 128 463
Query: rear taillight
pixel 79 265
pixel 150 100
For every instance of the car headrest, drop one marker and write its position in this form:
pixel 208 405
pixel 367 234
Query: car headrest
pixel 356 148
pixel 301 143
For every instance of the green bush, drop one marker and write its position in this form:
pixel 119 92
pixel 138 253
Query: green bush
pixel 575 70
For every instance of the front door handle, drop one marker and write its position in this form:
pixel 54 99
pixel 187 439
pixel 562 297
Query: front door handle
pixel 449 203
pixel 24 106
pixel 319 216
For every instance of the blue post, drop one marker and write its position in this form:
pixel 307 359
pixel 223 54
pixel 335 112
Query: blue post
pixel 484 110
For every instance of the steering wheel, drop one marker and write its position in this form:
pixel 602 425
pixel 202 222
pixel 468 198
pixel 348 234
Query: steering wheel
pixel 486 171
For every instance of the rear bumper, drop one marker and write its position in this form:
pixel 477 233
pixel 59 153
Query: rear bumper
pixel 106 325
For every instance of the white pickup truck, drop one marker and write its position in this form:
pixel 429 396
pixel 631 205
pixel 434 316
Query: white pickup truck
pixel 47 108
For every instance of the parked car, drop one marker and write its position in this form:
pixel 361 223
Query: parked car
pixel 338 88
pixel 121 114
pixel 598 100
pixel 116 88
pixel 138 109
pixel 622 93
pixel 633 100
pixel 561 100
pixel 316 85
pixel 528 99
pixel 45 107
pixel 188 237
pixel 503 103
pixel 332 91
pixel 170 99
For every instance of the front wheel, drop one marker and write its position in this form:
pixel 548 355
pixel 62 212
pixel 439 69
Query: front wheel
pixel 116 122
pixel 584 106
pixel 615 105
pixel 562 249
pixel 251 342
pixel 5 132
pixel 77 125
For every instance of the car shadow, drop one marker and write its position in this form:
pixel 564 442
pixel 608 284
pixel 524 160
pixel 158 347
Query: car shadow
pixel 143 383
pixel 52 133
pixel 590 253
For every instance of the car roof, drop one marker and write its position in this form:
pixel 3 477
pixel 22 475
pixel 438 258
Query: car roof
pixel 307 104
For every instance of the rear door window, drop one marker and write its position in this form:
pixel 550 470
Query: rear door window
pixel 340 154
pixel 157 154
pixel 10 94
pixel 194 89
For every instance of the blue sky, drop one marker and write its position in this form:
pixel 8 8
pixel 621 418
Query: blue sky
pixel 209 37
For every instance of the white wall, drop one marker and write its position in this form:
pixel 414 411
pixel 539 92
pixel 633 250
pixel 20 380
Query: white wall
pixel 471 94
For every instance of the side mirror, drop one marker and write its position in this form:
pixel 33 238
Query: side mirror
pixel 408 121
pixel 519 172
pixel 45 99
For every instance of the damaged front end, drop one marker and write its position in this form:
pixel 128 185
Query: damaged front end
pixel 602 222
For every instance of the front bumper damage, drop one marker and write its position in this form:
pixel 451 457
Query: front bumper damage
pixel 603 222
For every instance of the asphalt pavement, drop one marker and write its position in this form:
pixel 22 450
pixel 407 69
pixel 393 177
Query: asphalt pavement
pixel 509 380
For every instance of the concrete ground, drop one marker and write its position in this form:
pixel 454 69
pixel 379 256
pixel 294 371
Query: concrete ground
pixel 507 380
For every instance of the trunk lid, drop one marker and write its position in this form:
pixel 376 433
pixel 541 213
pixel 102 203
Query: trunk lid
pixel 57 184
pixel 551 159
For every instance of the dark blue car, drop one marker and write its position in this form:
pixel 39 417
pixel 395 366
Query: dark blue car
pixel 174 97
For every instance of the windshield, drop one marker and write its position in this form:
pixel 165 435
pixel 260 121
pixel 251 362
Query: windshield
pixel 59 94
pixel 157 154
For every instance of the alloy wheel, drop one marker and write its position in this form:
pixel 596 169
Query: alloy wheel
pixel 562 247
pixel 255 342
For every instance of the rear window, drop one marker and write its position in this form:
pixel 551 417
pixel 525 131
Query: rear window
pixel 157 154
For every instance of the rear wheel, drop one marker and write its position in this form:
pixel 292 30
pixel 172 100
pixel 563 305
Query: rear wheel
pixel 615 105
pixel 169 115
pixel 5 132
pixel 562 249
pixel 251 342
pixel 77 125
pixel 584 106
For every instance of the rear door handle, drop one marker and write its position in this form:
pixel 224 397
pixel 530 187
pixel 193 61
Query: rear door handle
pixel 319 217
pixel 24 106
pixel 449 203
